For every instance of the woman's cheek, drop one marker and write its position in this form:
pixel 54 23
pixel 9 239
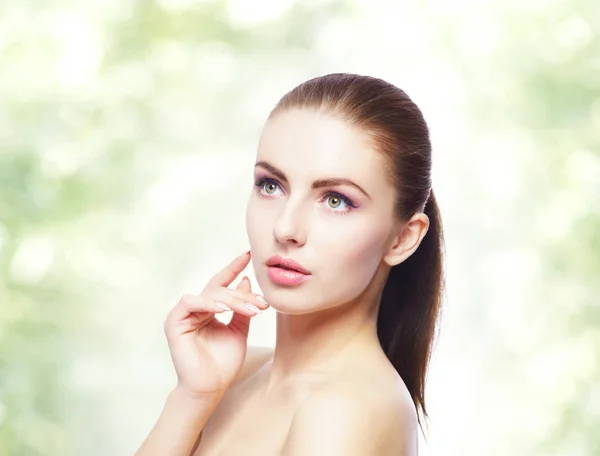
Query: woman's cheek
pixel 253 221
pixel 360 253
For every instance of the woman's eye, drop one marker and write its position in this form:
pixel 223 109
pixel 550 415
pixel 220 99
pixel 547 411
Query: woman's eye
pixel 266 186
pixel 340 203
pixel 334 201
pixel 270 187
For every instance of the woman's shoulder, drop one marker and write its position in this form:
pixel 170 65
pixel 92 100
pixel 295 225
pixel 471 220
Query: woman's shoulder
pixel 375 391
pixel 362 414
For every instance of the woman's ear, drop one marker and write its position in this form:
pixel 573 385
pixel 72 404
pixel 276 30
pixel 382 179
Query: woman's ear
pixel 405 241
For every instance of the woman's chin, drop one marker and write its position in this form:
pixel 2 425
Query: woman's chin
pixel 284 305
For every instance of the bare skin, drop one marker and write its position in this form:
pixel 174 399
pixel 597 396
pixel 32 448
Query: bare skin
pixel 207 355
pixel 248 405
pixel 327 389
pixel 349 402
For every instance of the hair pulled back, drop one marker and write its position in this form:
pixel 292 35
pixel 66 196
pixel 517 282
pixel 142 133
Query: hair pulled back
pixel 412 296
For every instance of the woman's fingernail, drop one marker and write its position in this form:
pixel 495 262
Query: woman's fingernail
pixel 220 305
pixel 262 300
pixel 253 308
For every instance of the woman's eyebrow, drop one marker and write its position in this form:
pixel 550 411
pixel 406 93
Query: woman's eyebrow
pixel 329 182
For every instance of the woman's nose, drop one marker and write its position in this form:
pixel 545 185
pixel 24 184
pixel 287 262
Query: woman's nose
pixel 289 226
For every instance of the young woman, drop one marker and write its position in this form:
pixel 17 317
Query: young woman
pixel 346 242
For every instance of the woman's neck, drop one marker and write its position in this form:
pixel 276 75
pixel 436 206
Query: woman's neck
pixel 324 341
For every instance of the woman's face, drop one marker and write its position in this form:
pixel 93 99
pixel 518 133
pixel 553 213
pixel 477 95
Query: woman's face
pixel 335 230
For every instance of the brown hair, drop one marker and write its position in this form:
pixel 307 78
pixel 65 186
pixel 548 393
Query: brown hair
pixel 412 296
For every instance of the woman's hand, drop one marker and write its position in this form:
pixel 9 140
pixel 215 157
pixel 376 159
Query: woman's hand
pixel 208 354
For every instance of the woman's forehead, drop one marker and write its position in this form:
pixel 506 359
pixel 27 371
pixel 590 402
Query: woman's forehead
pixel 309 142
pixel 304 129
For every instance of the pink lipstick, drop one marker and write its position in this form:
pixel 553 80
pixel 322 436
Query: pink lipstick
pixel 286 271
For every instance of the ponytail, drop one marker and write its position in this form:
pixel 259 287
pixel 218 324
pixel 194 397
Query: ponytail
pixel 410 304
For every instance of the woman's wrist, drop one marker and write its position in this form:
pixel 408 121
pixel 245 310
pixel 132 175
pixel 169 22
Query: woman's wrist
pixel 185 399
pixel 180 424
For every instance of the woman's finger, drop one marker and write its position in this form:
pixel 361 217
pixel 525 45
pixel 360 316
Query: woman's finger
pixel 229 273
pixel 187 305
pixel 245 303
pixel 241 322
pixel 241 293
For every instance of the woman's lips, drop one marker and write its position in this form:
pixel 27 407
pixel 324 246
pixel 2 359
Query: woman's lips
pixel 282 276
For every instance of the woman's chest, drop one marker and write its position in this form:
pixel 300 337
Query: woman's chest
pixel 251 425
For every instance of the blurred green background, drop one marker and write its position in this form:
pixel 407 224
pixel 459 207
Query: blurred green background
pixel 127 136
